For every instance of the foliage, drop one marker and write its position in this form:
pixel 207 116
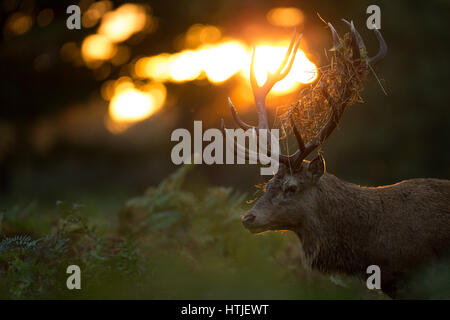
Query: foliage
pixel 10 243
pixel 168 243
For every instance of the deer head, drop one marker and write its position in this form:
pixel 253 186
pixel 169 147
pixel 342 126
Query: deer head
pixel 292 195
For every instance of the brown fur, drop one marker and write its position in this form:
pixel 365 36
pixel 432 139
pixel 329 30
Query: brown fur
pixel 344 228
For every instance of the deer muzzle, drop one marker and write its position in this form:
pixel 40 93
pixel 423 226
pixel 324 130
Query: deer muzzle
pixel 252 224
pixel 248 218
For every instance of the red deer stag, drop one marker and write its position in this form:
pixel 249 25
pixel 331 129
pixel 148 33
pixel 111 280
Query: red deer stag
pixel 344 228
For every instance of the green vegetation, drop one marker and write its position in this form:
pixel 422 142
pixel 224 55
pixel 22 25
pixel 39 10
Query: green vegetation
pixel 169 243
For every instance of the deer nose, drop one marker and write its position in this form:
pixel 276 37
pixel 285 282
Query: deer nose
pixel 248 218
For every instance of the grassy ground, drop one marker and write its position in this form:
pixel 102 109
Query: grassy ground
pixel 169 243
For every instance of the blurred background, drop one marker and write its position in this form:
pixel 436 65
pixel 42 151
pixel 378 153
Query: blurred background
pixel 86 117
pixel 93 109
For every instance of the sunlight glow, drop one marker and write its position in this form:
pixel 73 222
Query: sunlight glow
pixel 156 67
pixel 199 34
pixel 206 57
pixel 95 12
pixel 285 17
pixel 221 61
pixel 268 59
pixel 97 47
pixel 129 104
pixel 116 26
pixel 122 23
pixel 185 66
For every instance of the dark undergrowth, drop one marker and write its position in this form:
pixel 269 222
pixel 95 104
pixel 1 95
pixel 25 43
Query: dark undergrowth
pixel 170 243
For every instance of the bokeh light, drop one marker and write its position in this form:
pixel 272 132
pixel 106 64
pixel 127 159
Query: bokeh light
pixel 97 47
pixel 45 17
pixel 185 66
pixel 121 56
pixel 285 17
pixel 94 13
pixel 122 23
pixel 18 23
pixel 217 63
pixel 130 104
pixel 156 67
pixel 268 59
pixel 221 61
pixel 203 54
pixel 199 34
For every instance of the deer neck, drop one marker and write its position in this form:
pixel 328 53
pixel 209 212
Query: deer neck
pixel 331 238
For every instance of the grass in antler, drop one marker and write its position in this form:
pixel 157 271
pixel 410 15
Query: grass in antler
pixel 312 110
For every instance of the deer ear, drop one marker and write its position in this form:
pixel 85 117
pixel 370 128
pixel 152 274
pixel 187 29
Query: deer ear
pixel 316 168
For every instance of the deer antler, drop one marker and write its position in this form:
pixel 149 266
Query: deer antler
pixel 260 93
pixel 358 51
pixel 337 106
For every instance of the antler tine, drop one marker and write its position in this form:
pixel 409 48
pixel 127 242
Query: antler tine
pixel 279 74
pixel 301 144
pixel 337 104
pixel 284 67
pixel 292 54
pixel 291 160
pixel 358 46
pixel 260 98
pixel 383 49
pixel 241 151
pixel 253 81
pixel 288 53
pixel 336 38
pixel 238 120
pixel 337 107
pixel 245 153
pixel 324 133
pixel 260 92
pixel 357 39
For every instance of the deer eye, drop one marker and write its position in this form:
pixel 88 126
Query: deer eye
pixel 291 189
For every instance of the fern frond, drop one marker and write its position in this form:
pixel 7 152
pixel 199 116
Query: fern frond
pixel 21 241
